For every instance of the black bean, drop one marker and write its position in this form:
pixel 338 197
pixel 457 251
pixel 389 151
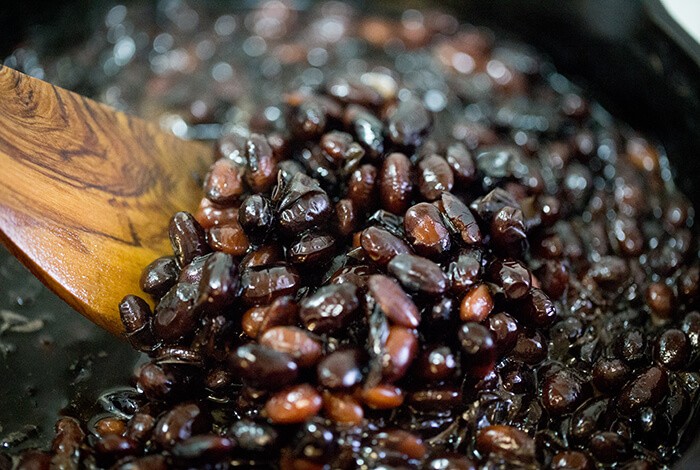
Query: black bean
pixel 255 216
pixel 504 329
pixel 461 219
pixel 341 369
pixel 609 375
pixel 253 437
pixel 609 447
pixel 261 285
pixel 136 317
pixel 395 183
pixel 462 163
pixel 418 274
pixel 262 367
pixel 381 246
pixel 304 205
pixel 368 129
pixel 224 182
pixel 219 285
pixel 672 349
pixel 180 423
pixel 646 389
pixel 563 392
pixel 508 233
pixel 512 276
pixel 205 448
pixel 478 349
pixel 187 238
pixel 175 316
pixel 409 123
pixel 434 177
pixel 315 442
pixel 312 249
pixel 330 308
pixel 159 276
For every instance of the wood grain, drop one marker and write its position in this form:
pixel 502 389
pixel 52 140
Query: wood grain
pixel 86 192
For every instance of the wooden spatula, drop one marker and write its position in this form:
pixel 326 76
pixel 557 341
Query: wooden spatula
pixel 86 192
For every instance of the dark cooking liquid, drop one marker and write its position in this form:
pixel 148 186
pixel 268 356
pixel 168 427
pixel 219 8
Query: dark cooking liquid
pixel 419 246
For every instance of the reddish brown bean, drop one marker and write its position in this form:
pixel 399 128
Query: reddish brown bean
pixel 476 305
pixel 293 405
pixel 342 408
pixel 224 182
pixel 298 343
pixel 401 349
pixel 383 397
pixel 381 246
pixel 425 230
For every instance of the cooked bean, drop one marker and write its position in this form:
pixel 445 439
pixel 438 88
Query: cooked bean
pixel 425 230
pixel 330 308
pixel 187 238
pixel 418 274
pixel 381 246
pixel 434 177
pixel 263 367
pixel 293 405
pixel 395 183
pixel 298 343
pixel 398 307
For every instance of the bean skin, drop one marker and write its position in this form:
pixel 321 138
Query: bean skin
pixel 395 183
pixel 261 285
pixel 461 219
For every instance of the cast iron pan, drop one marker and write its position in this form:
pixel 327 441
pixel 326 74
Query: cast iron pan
pixel 630 54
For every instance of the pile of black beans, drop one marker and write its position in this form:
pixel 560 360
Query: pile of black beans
pixel 488 273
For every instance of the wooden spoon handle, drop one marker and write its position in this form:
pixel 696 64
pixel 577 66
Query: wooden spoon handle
pixel 87 192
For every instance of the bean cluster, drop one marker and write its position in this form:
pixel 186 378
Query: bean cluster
pixel 372 282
